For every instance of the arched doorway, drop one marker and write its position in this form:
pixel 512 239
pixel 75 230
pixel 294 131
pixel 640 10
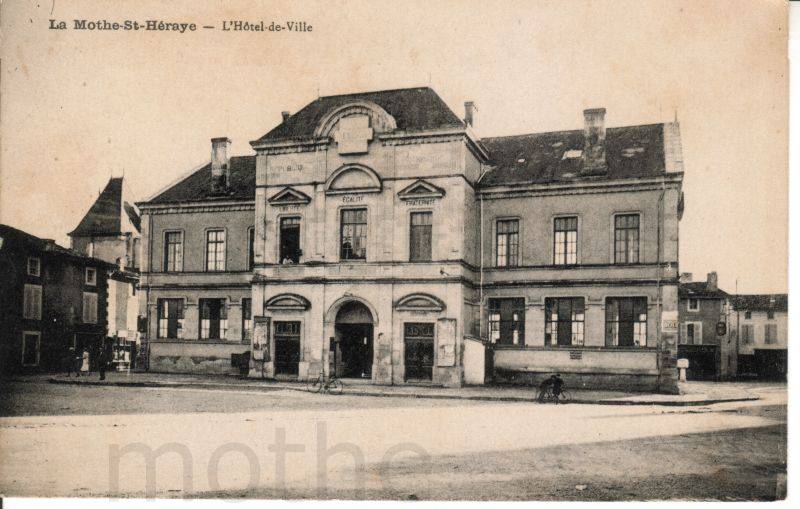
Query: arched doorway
pixel 353 351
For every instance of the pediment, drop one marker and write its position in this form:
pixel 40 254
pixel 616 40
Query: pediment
pixel 353 178
pixel 420 302
pixel 420 189
pixel 287 302
pixel 289 196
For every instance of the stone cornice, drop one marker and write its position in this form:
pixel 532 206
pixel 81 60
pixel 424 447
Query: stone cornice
pixel 670 181
pixel 189 207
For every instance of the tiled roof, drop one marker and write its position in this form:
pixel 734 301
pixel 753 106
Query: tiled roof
pixel 634 151
pixel 10 235
pixel 414 109
pixel 763 302
pixel 700 290
pixel 104 216
pixel 197 186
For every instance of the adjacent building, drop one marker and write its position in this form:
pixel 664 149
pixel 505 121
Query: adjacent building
pixel 110 231
pixel 51 299
pixel 377 236
pixel 704 337
pixel 762 325
pixel 196 268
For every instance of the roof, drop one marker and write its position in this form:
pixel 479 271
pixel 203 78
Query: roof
pixel 761 302
pixel 198 187
pixel 631 152
pixel 21 238
pixel 105 215
pixel 700 290
pixel 413 109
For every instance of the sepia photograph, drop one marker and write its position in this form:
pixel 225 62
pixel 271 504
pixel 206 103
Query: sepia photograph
pixel 393 251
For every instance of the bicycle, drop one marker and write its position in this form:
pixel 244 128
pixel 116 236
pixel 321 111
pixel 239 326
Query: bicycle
pixel 548 396
pixel 330 386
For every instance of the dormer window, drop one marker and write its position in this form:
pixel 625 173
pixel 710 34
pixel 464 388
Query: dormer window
pixel 34 266
pixel 91 276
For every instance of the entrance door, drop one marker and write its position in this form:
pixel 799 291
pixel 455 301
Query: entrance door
pixel 354 352
pixel 287 347
pixel 418 339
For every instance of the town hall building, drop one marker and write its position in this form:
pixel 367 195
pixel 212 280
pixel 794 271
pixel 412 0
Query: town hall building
pixel 378 237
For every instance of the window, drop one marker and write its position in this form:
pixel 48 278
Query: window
pixel 173 251
pixel 747 334
pixel 693 305
pixel 626 238
pixel 354 234
pixel 693 333
pixel 507 243
pixel 91 276
pixel 247 319
pixel 564 320
pixel 30 348
pixel 213 319
pixel 170 318
pixel 251 243
pixel 421 236
pixel 770 315
pixel 748 315
pixel 290 240
pixel 215 250
pixel 507 321
pixel 34 266
pixel 626 321
pixel 89 307
pixel 32 302
pixel 770 333
pixel 565 241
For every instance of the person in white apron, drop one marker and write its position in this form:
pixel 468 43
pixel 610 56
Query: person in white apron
pixel 85 363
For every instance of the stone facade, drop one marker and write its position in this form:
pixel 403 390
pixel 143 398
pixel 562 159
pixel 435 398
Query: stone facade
pixel 190 282
pixel 391 243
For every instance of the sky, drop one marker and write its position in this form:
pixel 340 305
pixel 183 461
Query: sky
pixel 77 107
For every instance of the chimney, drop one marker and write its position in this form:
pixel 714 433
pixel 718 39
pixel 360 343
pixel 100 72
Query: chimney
pixel 220 173
pixel 469 113
pixel 686 277
pixel 285 115
pixel 594 140
pixel 711 281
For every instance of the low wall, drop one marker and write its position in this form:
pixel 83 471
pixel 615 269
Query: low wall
pixel 581 368
pixel 194 357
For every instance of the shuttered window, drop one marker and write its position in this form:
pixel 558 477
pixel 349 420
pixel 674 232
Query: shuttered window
pixel 770 334
pixel 213 319
pixel 421 236
pixel 170 318
pixel 89 307
pixel 507 321
pixel 247 319
pixel 564 321
pixel 32 305
pixel 626 321
pixel 747 334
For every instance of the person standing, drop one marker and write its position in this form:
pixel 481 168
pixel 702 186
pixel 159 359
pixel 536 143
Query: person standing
pixel 102 361
pixel 69 362
pixel 85 363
